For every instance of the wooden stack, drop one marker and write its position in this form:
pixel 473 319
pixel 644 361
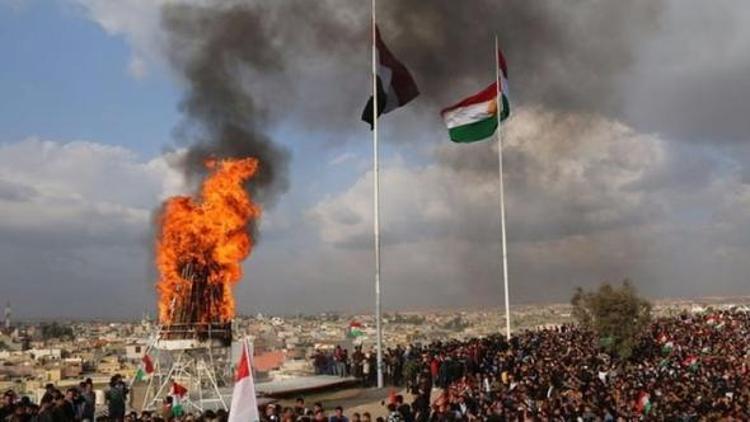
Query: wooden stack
pixel 196 311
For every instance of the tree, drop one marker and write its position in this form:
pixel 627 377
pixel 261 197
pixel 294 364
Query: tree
pixel 617 315
pixel 55 331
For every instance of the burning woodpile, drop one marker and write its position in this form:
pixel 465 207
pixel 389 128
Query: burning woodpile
pixel 200 246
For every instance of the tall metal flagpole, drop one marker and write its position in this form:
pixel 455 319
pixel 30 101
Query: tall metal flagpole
pixel 502 194
pixel 376 200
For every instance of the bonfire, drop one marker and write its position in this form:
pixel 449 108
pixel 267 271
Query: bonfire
pixel 201 244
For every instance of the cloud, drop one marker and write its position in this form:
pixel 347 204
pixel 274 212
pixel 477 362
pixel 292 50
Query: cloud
pixel 15 192
pixel 559 181
pixel 694 90
pixel 135 20
pixel 588 199
pixel 71 213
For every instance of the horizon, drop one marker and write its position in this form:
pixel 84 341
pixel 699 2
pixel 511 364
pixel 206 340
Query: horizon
pixel 658 302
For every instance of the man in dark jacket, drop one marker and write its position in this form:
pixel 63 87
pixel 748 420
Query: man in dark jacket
pixel 8 406
pixel 116 398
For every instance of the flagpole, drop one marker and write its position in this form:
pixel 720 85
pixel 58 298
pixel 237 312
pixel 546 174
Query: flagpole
pixel 247 355
pixel 376 200
pixel 498 99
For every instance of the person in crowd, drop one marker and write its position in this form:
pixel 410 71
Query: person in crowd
pixel 366 369
pixel 339 361
pixel 288 415
pixel 88 401
pixel 393 414
pixel 9 405
pixel 357 360
pixel 338 415
pixel 403 408
pixel 271 414
pixel 320 416
pixel 46 408
pixel 299 407
pixel 166 408
pixel 116 398
pixel 49 388
pixel 59 411
pixel 69 404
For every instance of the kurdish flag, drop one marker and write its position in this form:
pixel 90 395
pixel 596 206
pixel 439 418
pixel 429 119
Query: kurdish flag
pixel 667 348
pixel 475 118
pixel 178 393
pixel 691 362
pixel 643 404
pixel 148 368
pixel 355 329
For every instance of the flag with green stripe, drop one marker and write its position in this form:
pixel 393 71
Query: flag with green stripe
pixel 476 117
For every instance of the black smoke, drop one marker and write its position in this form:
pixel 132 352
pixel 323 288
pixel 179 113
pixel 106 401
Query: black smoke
pixel 216 50
pixel 562 55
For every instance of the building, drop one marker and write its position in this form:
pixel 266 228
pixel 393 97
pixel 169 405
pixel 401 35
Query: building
pixel 134 352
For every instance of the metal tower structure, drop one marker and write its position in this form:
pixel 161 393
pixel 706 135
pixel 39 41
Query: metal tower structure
pixel 196 357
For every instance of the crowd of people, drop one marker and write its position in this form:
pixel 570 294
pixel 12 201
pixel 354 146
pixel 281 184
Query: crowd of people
pixel 685 368
pixel 74 404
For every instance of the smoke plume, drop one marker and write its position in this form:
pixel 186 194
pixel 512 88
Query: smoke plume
pixel 315 57
pixel 216 50
pixel 561 55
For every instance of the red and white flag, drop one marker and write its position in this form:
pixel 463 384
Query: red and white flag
pixel 244 406
pixel 178 390
pixel 148 364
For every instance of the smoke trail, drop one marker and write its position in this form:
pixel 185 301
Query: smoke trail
pixel 215 50
pixel 562 55
pixel 567 57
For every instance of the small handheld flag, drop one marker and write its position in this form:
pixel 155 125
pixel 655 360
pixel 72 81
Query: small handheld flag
pixel 643 403
pixel 178 390
pixel 355 329
pixel 148 364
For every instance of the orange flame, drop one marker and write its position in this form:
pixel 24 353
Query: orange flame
pixel 208 234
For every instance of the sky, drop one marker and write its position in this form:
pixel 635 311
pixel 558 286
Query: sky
pixel 626 155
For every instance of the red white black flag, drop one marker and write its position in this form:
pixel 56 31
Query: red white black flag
pixel 396 87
